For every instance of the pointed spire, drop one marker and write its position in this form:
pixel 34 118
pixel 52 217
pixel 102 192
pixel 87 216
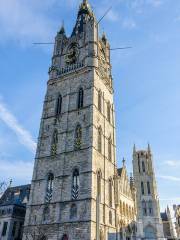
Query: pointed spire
pixel 134 149
pixel 62 30
pixel 149 148
pixel 104 39
pixel 124 162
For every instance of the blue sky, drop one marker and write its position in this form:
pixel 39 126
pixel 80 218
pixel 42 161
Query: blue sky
pixel 146 80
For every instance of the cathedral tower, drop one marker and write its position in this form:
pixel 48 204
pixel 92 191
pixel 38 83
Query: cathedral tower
pixel 149 224
pixel 72 191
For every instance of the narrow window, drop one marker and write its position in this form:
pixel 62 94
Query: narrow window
pixel 110 217
pixel 14 229
pixel 108 112
pixel 150 208
pixel 75 184
pixel 143 166
pixel 73 211
pixel 144 208
pixel 54 143
pixel 99 101
pixel 110 192
pixel 148 188
pixel 59 105
pixel 99 139
pixel 139 166
pixel 99 186
pixel 80 98
pixel 142 188
pixel 78 137
pixel 50 185
pixel 5 225
pixel 109 149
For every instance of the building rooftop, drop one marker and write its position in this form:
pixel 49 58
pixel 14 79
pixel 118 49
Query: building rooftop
pixel 16 196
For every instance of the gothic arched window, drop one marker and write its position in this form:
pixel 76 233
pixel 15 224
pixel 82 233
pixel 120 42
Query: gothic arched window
pixel 59 105
pixel 143 166
pixel 78 137
pixel 99 139
pixel 99 100
pixel 54 143
pixel 50 186
pixel 99 185
pixel 150 208
pixel 109 111
pixel 142 188
pixel 73 211
pixel 109 149
pixel 139 166
pixel 80 98
pixel 75 184
pixel 110 192
pixel 148 188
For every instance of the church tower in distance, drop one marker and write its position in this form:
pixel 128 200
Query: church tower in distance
pixel 73 187
pixel 149 223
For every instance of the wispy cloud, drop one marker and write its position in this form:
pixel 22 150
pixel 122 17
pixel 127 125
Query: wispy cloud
pixel 173 163
pixel 24 21
pixel 169 178
pixel 23 135
pixel 20 171
pixel 112 16
pixel 170 199
pixel 129 23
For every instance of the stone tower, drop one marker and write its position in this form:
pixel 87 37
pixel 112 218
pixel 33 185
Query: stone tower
pixel 72 192
pixel 149 224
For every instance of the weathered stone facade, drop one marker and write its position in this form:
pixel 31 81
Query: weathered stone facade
pixel 73 191
pixel 149 223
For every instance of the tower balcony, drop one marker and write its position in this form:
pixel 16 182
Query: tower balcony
pixel 54 71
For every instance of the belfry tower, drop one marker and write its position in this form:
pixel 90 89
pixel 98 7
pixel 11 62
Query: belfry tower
pixel 72 191
pixel 149 223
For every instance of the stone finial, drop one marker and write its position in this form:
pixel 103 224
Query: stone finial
pixel 124 162
pixel 10 183
pixel 149 148
pixel 62 30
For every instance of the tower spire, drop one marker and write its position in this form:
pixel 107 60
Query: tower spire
pixel 134 149
pixel 149 148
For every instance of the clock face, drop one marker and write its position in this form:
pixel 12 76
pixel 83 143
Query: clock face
pixel 72 54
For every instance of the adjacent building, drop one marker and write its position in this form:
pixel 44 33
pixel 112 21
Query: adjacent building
pixel 149 223
pixel 12 212
pixel 168 225
pixel 177 217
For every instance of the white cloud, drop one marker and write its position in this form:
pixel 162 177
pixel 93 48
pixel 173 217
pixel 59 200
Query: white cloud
pixel 173 163
pixel 23 135
pixel 129 23
pixel 19 171
pixel 24 21
pixel 169 178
